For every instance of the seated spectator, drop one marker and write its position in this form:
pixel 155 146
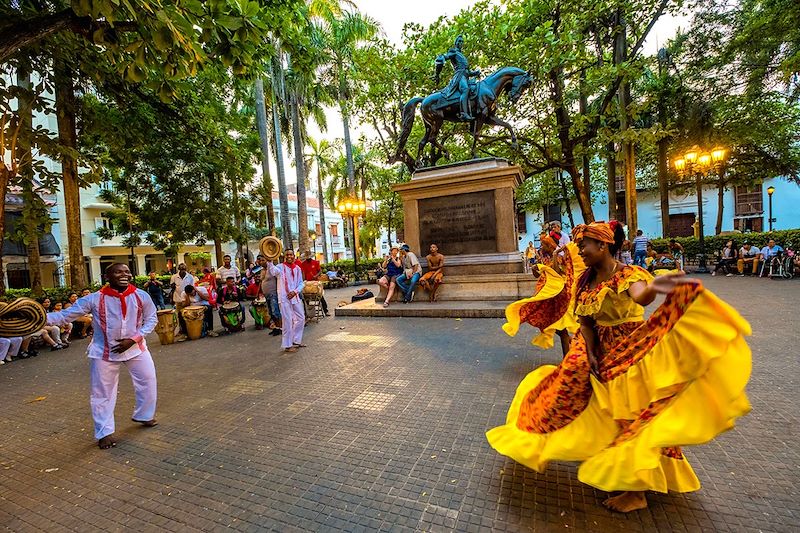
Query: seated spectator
pixel 727 258
pixel 85 292
pixel 748 257
pixel 334 277
pixel 50 336
pixel 665 261
pixel 676 249
pixel 83 326
pixel 47 304
pixel 341 275
pixel 768 254
pixel 649 258
pixel 64 330
pixel 393 266
pixel 9 348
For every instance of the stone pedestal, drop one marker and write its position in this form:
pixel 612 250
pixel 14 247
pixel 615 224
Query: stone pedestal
pixel 468 210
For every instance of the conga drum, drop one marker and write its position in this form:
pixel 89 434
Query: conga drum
pixel 167 320
pixel 230 315
pixel 260 309
pixel 193 315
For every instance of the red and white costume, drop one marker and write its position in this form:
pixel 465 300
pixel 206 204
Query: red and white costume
pixel 127 315
pixel 293 315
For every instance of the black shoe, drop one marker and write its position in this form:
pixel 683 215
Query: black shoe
pixel 56 347
pixel 275 332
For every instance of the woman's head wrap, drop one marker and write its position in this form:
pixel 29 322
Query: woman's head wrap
pixel 599 231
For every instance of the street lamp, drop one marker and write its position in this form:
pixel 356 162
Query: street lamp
pixel 354 208
pixel 313 236
pixel 694 164
pixel 770 190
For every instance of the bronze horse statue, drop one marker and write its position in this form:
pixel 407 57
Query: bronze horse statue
pixel 436 109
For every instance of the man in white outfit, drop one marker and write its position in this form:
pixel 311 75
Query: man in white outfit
pixel 122 316
pixel 290 287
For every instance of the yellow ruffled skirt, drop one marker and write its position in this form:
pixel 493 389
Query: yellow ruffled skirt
pixel 676 379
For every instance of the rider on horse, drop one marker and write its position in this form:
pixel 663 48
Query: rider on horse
pixel 458 85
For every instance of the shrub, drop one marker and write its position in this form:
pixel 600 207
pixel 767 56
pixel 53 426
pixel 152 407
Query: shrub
pixel 715 243
pixel 364 266
pixel 56 294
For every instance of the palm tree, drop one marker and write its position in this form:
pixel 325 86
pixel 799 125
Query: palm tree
pixel 278 95
pixel 322 155
pixel 342 35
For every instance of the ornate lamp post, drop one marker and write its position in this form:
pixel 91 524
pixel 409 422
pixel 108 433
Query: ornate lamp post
pixel 694 164
pixel 770 191
pixel 353 208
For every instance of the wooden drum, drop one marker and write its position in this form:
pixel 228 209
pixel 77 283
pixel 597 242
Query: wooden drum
pixel 167 320
pixel 193 315
pixel 313 288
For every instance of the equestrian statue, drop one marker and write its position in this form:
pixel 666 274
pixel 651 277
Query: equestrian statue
pixel 464 99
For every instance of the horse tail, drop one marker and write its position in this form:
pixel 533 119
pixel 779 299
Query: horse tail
pixel 407 122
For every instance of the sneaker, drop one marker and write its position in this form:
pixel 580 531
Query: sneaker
pixel 728 275
pixel 412 298
pixel 714 273
pixel 213 334
pixel 180 338
pixel 56 347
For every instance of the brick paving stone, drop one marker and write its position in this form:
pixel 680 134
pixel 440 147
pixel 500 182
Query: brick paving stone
pixel 377 426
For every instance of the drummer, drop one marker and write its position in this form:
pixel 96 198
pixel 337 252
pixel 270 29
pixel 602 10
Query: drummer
pixel 255 294
pixel 228 294
pixel 311 271
pixel 201 295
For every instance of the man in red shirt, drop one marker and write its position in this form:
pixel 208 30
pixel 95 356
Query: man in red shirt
pixel 311 270
pixel 310 267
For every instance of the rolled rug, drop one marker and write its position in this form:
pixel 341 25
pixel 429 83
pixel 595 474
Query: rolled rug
pixel 21 317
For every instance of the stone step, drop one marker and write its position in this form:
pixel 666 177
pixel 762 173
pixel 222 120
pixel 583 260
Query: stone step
pixel 446 309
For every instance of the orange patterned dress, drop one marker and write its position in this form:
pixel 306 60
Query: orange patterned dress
pixel 675 379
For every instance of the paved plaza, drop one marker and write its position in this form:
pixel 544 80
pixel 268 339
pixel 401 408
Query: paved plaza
pixel 377 426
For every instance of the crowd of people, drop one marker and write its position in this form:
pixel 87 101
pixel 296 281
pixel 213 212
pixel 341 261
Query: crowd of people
pixel 401 270
pixel 749 259
pixel 53 338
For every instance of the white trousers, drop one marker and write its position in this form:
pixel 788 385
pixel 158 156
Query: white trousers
pixel 293 320
pixel 9 347
pixel 104 381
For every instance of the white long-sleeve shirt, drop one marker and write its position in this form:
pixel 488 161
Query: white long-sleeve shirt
pixel 110 323
pixel 289 279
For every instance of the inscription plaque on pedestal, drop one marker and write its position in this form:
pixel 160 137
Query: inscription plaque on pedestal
pixel 459 223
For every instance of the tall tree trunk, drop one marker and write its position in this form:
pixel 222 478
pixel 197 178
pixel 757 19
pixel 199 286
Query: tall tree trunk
pixel 237 221
pixel 300 172
pixel 322 222
pixel 263 135
pixel 565 196
pixel 389 220
pixel 663 168
pixel 567 149
pixel 663 186
pixel 583 106
pixel 67 137
pixel 5 175
pixel 720 201
pixel 348 144
pixel 611 172
pixel 283 193
pixel 218 252
pixel 628 153
pixel 30 197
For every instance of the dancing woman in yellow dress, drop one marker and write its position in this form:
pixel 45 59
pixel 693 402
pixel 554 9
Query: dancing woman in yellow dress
pixel 631 391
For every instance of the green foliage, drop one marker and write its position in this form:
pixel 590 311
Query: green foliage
pixel 715 243
pixel 56 294
pixel 364 266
